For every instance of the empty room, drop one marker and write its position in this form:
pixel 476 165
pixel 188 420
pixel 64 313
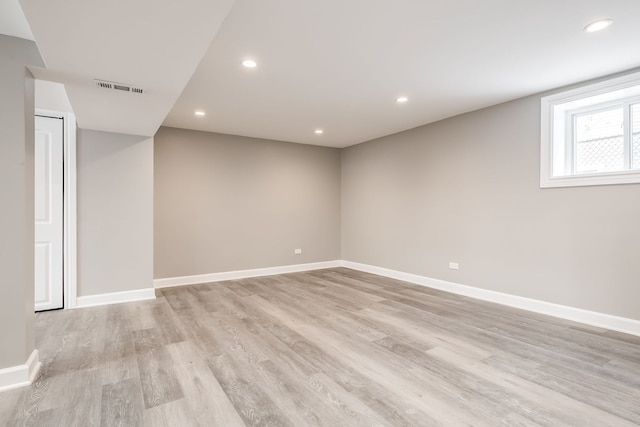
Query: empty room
pixel 320 213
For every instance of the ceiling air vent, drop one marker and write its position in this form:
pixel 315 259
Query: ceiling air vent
pixel 104 85
pixel 118 86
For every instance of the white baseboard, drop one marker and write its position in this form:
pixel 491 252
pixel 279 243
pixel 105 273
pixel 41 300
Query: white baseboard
pixel 620 324
pixel 21 375
pixel 116 297
pixel 242 274
pixel 616 323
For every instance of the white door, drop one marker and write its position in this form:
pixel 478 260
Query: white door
pixel 48 213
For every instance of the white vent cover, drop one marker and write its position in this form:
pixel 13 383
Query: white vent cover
pixel 118 86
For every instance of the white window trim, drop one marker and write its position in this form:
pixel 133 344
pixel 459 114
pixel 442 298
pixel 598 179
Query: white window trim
pixel 575 98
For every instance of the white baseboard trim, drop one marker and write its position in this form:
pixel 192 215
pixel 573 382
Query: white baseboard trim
pixel 620 324
pixel 616 323
pixel 242 274
pixel 116 297
pixel 21 375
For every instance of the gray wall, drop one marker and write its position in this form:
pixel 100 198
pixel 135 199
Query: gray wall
pixel 466 189
pixel 115 212
pixel 16 194
pixel 225 203
pixel 52 96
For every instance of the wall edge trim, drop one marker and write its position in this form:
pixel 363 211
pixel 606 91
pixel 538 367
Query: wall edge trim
pixel 593 318
pixel 21 375
pixel 116 297
pixel 242 274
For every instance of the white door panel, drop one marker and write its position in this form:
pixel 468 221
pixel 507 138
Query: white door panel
pixel 48 213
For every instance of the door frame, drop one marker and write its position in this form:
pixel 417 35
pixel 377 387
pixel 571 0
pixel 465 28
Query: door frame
pixel 69 194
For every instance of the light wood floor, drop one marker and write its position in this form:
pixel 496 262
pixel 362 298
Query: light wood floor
pixel 326 348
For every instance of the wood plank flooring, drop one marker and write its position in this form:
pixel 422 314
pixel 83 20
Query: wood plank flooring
pixel 330 347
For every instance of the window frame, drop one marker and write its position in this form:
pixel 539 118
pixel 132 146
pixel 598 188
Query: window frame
pixel 558 111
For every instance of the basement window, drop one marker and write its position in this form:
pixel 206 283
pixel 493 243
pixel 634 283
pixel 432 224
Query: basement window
pixel 591 135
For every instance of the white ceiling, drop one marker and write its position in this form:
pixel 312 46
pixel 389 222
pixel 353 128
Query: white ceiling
pixel 12 20
pixel 332 64
pixel 131 42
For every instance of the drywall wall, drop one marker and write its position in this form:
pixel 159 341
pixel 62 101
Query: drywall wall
pixel 52 96
pixel 466 190
pixel 226 203
pixel 115 212
pixel 16 193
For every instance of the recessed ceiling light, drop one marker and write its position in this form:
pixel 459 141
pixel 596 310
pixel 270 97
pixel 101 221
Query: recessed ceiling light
pixel 319 131
pixel 402 99
pixel 199 113
pixel 598 25
pixel 249 63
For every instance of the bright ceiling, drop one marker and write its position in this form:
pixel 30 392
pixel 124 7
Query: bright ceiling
pixel 128 42
pixel 333 65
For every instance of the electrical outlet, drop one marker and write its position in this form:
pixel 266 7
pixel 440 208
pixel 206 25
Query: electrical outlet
pixel 454 265
pixel 297 251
